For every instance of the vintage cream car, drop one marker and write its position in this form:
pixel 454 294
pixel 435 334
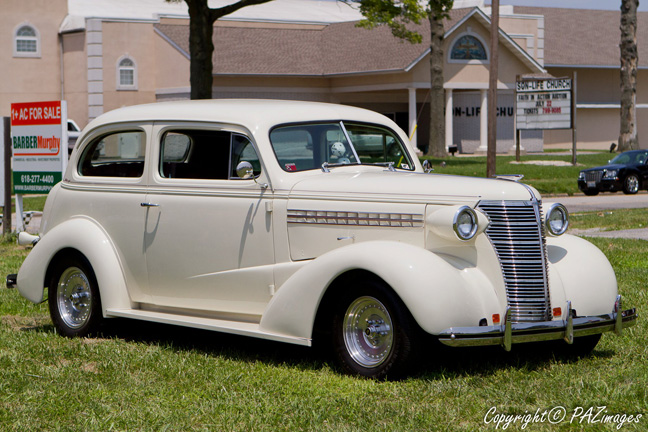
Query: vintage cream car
pixel 294 221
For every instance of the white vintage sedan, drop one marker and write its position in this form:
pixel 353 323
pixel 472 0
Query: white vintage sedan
pixel 302 222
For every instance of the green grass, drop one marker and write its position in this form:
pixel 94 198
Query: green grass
pixel 610 220
pixel 548 180
pixel 148 377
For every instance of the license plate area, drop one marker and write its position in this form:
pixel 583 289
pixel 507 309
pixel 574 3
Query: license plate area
pixel 591 184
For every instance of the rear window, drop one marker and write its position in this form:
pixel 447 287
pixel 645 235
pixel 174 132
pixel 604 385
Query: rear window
pixel 119 154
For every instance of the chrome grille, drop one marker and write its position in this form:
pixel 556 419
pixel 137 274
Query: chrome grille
pixel 593 176
pixel 517 234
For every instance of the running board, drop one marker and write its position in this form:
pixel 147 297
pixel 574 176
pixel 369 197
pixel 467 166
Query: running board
pixel 223 326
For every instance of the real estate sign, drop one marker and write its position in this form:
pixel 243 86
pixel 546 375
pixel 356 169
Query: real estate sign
pixel 39 145
pixel 543 103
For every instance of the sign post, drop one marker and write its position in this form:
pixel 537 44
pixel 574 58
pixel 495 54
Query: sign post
pixel 39 143
pixel 5 171
pixel 543 103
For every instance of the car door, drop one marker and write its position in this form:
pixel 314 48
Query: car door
pixel 109 185
pixel 208 233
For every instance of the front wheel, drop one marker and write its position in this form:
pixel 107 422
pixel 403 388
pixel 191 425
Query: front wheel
pixel 73 297
pixel 631 184
pixel 373 332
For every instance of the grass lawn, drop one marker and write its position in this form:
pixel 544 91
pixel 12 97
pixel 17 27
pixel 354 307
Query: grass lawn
pixel 149 377
pixel 548 179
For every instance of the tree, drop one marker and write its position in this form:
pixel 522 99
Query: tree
pixel 397 14
pixel 492 92
pixel 629 59
pixel 201 44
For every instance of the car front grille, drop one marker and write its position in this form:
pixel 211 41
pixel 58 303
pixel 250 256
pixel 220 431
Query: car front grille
pixel 593 176
pixel 517 234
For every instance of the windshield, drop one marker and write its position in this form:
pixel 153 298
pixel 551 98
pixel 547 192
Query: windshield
pixel 631 157
pixel 307 146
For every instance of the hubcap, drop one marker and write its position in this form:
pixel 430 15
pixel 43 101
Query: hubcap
pixel 74 297
pixel 632 184
pixel 368 332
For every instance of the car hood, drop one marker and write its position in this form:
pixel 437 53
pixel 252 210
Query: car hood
pixel 606 167
pixel 408 187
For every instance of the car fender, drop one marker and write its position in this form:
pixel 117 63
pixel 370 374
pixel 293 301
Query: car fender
pixel 438 292
pixel 85 236
pixel 587 276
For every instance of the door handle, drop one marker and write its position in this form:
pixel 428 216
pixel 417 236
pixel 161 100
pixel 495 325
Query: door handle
pixel 145 204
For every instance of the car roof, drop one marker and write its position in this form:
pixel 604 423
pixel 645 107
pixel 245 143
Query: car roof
pixel 249 112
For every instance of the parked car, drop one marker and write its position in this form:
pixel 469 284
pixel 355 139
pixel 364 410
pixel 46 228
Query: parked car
pixel 74 131
pixel 628 172
pixel 265 219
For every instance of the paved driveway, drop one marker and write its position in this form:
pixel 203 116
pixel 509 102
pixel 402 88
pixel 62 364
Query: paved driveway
pixel 603 201
pixel 606 201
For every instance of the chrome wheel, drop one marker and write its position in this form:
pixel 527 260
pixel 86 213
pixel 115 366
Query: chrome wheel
pixel 368 332
pixel 631 184
pixel 74 298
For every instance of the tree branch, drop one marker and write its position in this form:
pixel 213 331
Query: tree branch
pixel 215 14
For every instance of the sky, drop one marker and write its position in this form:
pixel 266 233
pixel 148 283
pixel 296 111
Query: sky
pixel 573 4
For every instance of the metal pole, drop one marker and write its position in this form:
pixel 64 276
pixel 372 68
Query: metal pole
pixel 574 158
pixel 6 214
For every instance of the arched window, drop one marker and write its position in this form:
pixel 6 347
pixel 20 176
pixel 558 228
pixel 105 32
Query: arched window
pixel 26 41
pixel 468 47
pixel 126 74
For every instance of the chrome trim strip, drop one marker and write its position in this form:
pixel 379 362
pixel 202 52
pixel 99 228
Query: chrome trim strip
pixel 322 217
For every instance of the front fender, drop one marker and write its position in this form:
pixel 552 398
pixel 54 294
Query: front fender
pixel 587 276
pixel 85 236
pixel 440 292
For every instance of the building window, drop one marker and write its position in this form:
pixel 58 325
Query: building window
pixel 467 48
pixel 26 41
pixel 126 74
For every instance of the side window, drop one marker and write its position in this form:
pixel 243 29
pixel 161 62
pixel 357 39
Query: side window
pixel 243 151
pixel 118 154
pixel 205 154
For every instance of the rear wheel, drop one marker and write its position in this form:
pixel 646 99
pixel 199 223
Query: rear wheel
pixel 631 184
pixel 73 297
pixel 373 333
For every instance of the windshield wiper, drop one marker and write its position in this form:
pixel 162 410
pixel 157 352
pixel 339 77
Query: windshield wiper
pixel 326 165
pixel 389 165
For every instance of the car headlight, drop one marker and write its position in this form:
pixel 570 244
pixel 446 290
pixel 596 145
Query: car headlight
pixel 610 174
pixel 557 219
pixel 465 223
pixel 581 175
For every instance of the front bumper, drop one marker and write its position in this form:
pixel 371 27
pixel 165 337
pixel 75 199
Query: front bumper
pixel 509 333
pixel 605 185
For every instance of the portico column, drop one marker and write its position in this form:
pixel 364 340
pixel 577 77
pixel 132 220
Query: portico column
pixel 483 123
pixel 412 116
pixel 448 119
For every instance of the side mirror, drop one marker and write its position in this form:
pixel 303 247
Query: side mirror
pixel 244 170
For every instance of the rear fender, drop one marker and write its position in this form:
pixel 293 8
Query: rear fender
pixel 86 237
pixel 437 293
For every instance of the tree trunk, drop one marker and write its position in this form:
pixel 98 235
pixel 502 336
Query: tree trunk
pixel 629 59
pixel 201 49
pixel 491 152
pixel 436 145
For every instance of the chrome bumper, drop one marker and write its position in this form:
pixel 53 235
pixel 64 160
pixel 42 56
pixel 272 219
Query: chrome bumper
pixel 509 333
